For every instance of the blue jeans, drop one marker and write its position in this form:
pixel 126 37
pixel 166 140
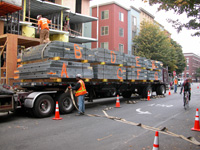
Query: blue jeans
pixel 81 103
pixel 175 88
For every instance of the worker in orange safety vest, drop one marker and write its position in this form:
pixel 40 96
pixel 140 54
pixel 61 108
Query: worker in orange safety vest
pixel 175 84
pixel 44 33
pixel 80 94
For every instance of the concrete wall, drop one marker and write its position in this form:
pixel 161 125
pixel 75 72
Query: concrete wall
pixel 85 7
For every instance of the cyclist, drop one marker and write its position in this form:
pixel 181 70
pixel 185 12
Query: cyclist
pixel 187 87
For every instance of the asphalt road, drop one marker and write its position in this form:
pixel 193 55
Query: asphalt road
pixel 22 132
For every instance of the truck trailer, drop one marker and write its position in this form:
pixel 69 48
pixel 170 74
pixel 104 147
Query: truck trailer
pixel 45 71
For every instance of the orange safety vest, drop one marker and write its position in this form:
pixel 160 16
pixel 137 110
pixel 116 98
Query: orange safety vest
pixel 175 81
pixel 43 22
pixel 82 89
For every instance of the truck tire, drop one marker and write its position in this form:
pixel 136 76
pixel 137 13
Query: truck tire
pixel 145 91
pixel 44 106
pixel 126 94
pixel 65 103
pixel 160 90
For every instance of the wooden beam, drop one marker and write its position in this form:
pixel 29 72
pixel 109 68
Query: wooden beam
pixel 11 56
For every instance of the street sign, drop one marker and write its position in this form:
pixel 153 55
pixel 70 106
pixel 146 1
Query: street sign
pixel 174 73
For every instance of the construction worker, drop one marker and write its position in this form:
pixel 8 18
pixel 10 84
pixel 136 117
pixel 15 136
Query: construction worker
pixel 44 33
pixel 80 94
pixel 66 23
pixel 175 84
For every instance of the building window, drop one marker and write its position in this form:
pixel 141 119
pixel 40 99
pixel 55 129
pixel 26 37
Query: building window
pixel 187 68
pixel 187 59
pixel 134 26
pixel 104 14
pixel 104 30
pixel 121 48
pixel 133 49
pixel 133 34
pixel 134 21
pixel 104 45
pixel 121 16
pixel 121 32
pixel 187 75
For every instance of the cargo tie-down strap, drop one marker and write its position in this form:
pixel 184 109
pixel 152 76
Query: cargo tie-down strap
pixel 163 130
pixel 42 53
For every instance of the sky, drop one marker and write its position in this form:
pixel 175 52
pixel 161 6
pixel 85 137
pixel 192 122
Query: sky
pixel 190 44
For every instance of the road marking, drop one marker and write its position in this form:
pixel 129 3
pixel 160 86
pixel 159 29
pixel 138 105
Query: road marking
pixel 142 112
pixel 161 105
pixel 104 137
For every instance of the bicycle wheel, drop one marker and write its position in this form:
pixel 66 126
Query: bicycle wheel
pixel 186 106
pixel 184 101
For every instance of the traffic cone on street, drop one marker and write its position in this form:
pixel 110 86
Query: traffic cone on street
pixel 196 122
pixel 156 142
pixel 148 97
pixel 117 102
pixel 57 115
pixel 169 91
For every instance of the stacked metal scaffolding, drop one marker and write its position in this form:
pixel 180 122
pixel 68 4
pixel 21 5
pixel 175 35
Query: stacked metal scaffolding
pixel 70 60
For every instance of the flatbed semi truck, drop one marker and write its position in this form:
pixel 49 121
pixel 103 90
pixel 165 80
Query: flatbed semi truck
pixel 45 71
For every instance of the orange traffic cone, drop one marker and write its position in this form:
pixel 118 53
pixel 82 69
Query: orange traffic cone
pixel 156 142
pixel 57 115
pixel 169 91
pixel 196 122
pixel 148 97
pixel 117 102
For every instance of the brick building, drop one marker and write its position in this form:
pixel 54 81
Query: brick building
pixel 112 27
pixel 193 63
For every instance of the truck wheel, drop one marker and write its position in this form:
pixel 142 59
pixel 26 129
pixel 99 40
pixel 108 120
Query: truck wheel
pixel 44 106
pixel 65 103
pixel 126 94
pixel 145 91
pixel 160 90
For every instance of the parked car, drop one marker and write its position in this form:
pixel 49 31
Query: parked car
pixel 180 81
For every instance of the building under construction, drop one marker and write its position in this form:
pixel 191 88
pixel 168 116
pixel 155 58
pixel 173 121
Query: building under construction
pixel 18 26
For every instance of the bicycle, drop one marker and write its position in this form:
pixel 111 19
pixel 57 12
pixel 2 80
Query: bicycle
pixel 186 100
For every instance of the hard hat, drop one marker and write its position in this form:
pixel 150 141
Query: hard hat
pixel 79 76
pixel 39 16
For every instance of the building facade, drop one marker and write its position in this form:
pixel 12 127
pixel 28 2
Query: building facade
pixel 111 28
pixel 133 27
pixel 193 63
pixel 146 16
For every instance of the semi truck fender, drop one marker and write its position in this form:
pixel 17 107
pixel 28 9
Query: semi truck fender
pixel 30 99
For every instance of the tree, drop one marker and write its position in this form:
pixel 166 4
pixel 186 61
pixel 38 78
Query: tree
pixel 197 74
pixel 190 7
pixel 180 62
pixel 154 44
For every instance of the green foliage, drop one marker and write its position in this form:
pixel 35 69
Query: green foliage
pixel 190 7
pixel 197 73
pixel 154 44
pixel 180 62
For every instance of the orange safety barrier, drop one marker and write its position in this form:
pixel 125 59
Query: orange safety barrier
pixel 156 142
pixel 196 122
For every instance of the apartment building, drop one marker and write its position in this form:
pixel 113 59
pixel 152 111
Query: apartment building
pixel 193 63
pixel 133 27
pixel 111 28
pixel 146 16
